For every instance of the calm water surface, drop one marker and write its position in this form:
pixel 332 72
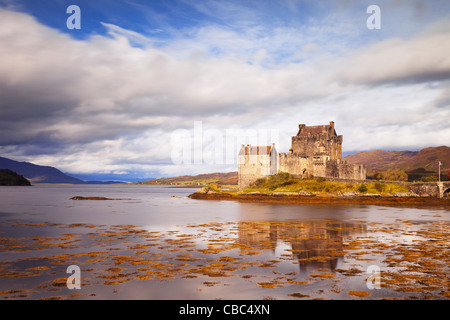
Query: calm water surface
pixel 155 243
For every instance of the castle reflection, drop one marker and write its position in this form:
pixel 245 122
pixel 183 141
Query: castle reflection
pixel 314 244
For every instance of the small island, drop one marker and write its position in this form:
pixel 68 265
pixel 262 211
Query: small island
pixel 286 188
pixel 11 178
pixel 313 171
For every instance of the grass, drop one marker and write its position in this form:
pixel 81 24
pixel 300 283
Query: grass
pixel 285 182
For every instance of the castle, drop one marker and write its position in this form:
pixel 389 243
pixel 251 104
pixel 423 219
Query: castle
pixel 316 151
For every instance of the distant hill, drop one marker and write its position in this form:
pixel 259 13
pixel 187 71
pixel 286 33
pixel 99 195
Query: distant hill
pixel 36 173
pixel 11 178
pixel 229 178
pixel 412 162
pixel 416 163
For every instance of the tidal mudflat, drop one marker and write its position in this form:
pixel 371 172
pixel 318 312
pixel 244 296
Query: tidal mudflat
pixel 162 245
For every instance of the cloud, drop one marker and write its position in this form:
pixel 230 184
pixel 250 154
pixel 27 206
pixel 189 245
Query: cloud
pixel 424 58
pixel 109 103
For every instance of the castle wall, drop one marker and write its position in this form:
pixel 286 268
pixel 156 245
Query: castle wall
pixel 254 166
pixel 315 151
pixel 318 145
pixel 306 166
pixel 343 170
pixel 273 161
pixel 294 164
pixel 319 169
pixel 318 141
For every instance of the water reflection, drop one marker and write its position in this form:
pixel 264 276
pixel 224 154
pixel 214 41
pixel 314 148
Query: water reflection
pixel 161 246
pixel 314 244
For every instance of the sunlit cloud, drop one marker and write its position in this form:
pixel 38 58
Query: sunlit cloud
pixel 110 102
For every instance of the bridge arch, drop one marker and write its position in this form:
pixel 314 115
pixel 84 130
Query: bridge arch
pixel 446 193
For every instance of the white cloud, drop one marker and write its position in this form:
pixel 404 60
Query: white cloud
pixel 110 103
pixel 422 59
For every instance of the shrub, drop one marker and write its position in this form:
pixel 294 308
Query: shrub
pixel 362 188
pixel 259 183
pixel 391 175
pixel 378 186
pixel 274 181
pixel 214 186
pixel 429 179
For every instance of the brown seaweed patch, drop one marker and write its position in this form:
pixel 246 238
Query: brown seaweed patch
pixel 40 268
pixel 52 298
pixel 349 272
pixel 96 198
pixel 298 295
pixel 210 283
pixel 296 282
pixel 358 293
pixel 322 275
pixel 23 293
pixel 270 284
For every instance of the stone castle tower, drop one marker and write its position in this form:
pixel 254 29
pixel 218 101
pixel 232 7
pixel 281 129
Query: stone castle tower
pixel 256 162
pixel 316 151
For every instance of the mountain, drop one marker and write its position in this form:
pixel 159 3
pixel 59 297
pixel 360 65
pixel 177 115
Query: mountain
pixel 229 178
pixel 36 173
pixel 423 161
pixel 10 178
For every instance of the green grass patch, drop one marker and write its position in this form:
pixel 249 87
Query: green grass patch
pixel 285 182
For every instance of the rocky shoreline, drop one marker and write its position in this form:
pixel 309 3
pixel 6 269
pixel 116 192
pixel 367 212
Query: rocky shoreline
pixel 308 197
pixel 95 198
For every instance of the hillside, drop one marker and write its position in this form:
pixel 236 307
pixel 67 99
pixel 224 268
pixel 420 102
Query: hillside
pixel 415 163
pixel 408 161
pixel 11 178
pixel 229 178
pixel 36 173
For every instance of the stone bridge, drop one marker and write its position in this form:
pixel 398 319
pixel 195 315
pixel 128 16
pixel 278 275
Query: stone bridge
pixel 434 189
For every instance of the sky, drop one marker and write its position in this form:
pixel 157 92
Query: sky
pixel 148 89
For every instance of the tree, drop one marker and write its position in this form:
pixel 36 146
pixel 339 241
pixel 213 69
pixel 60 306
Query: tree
pixel 429 179
pixel 391 175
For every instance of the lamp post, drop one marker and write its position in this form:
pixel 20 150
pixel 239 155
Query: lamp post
pixel 440 164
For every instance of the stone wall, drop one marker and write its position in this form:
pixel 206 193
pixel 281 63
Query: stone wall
pixel 254 166
pixel 344 170
pixel 294 164
pixel 319 169
pixel 305 167
pixel 433 189
pixel 251 168
pixel 316 151
pixel 318 141
pixel 318 145
pixel 273 161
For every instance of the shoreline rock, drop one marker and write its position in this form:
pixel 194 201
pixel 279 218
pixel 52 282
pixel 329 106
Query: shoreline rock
pixel 322 198
pixel 95 198
pixel 306 194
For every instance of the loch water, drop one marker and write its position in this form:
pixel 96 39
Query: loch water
pixel 153 242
